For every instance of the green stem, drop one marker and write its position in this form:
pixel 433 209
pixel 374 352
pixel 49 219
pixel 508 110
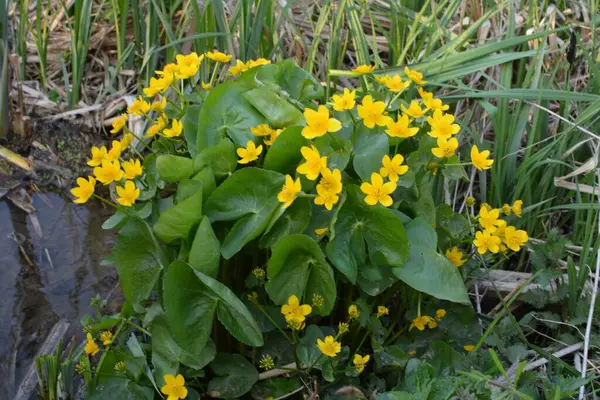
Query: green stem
pixel 138 327
pixel 272 321
pixel 102 199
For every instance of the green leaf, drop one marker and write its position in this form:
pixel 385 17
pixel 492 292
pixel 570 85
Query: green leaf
pixel 138 259
pixel 338 150
pixel 232 313
pixel 425 206
pixel 308 353
pixel 235 376
pixel 445 360
pixel 454 172
pixel 226 113
pixel 205 253
pixel 361 229
pixel 190 127
pixel 284 155
pixel 294 219
pixel 119 388
pixel 207 177
pixel 300 84
pixel 426 270
pixel 275 387
pixel 167 354
pixel 189 308
pixel 297 267
pixel 279 112
pixel 172 168
pixel 374 279
pixel 220 158
pixel 176 222
pixel 187 188
pixel 191 298
pixel 249 197
pixel 369 149
pixel 391 357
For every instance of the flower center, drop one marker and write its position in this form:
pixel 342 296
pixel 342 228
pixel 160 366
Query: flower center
pixel 447 151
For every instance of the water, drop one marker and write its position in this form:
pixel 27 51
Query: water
pixel 47 278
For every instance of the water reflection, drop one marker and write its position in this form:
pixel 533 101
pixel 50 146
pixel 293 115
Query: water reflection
pixel 47 277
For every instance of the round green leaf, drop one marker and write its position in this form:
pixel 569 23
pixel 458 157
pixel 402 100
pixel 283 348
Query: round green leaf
pixel 360 229
pixel 226 113
pixel 176 222
pixel 427 271
pixel 369 149
pixel 297 267
pixel 278 111
pixel 235 376
pixel 172 168
pixel 284 155
pixel 294 219
pixel 220 158
pixel 249 197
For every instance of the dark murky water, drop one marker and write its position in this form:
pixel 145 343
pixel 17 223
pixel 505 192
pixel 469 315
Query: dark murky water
pixel 48 271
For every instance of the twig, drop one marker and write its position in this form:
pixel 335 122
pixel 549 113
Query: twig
pixel 290 393
pixel 286 369
pixel 588 328
pixel 560 353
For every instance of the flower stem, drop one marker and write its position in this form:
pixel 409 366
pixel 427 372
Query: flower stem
pixel 102 199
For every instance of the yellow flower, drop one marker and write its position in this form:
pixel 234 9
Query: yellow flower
pixel 289 191
pixel 170 72
pixel 421 322
pixel 218 56
pixel 109 172
pixel 126 141
pixel 326 198
pixel 506 209
pixel 455 257
pixel 486 206
pixel 318 123
pixel 159 105
pixel 119 123
pixel 161 123
pixel 516 207
pixel 489 219
pixel 85 189
pixel 317 301
pixel 401 128
pixel 175 129
pixel 470 201
pixel 331 181
pixel 364 69
pixel 412 353
pixel 372 113
pixel 515 239
pixel 360 362
pixel 132 168
pixel 469 347
pixel 393 168
pixel 256 63
pixel 294 311
pixel 446 147
pixel 238 68
pixel 345 101
pixel 321 231
pixel 98 155
pixel 266 362
pixel 395 84
pixel 272 137
pixel 250 153
pixel 119 366
pixel 261 130
pixel 480 160
pixel 127 194
pixel 295 325
pixel 91 347
pixel 107 338
pixel 174 387
pixel 188 65
pixel 314 162
pixel 206 86
pixel 158 85
pixel 432 103
pixel 487 241
pixel 414 110
pixel 442 125
pixel 258 273
pixel 439 314
pixel 138 107
pixel 330 347
pixel 353 312
pixel 414 76
pixel 382 310
pixel 115 151
pixel 377 191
